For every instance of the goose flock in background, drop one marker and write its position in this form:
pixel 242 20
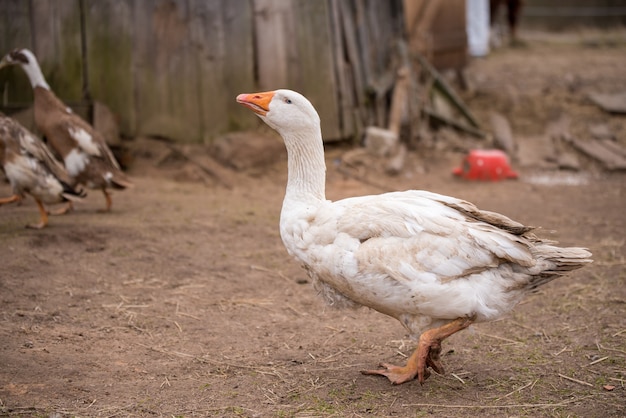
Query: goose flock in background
pixel 85 154
pixel 435 263
pixel 32 169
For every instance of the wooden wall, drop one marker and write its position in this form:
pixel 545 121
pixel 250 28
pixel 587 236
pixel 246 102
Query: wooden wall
pixel 568 14
pixel 437 30
pixel 174 67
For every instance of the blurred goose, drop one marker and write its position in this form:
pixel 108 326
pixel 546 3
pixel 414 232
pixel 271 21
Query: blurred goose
pixel 31 168
pixel 87 158
pixel 435 263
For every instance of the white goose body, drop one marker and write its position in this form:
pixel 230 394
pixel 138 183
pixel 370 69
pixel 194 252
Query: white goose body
pixel 408 255
pixel 434 262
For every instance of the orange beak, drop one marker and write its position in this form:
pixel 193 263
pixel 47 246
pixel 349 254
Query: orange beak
pixel 258 102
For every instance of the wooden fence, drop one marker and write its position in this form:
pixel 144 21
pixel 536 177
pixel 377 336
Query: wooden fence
pixel 173 67
pixel 568 14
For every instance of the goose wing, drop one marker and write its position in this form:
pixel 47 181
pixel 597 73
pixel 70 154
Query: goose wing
pixel 432 233
pixel 34 147
pixel 89 140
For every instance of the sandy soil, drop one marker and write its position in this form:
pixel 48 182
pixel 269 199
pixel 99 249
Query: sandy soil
pixel 183 301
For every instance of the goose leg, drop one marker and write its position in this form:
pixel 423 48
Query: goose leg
pixel 10 199
pixel 425 355
pixel 109 202
pixel 44 217
pixel 62 211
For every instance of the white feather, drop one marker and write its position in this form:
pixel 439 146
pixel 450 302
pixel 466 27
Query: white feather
pixel 75 162
pixel 27 175
pixel 85 141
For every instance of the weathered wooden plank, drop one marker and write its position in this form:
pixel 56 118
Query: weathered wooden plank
pixel 502 133
pixel 15 25
pixel 271 22
pixel 206 32
pixel 362 29
pixel 313 71
pixel 385 24
pixel 412 12
pixel 442 85
pixel 449 35
pixel 109 37
pixel 419 18
pixel 167 76
pixel 57 44
pixel 614 147
pixel 345 98
pixel 51 29
pixel 598 150
pixel 436 29
pixel 294 49
pixel 352 50
pixel 14 33
pixel 239 66
pixel 222 33
pixel 399 101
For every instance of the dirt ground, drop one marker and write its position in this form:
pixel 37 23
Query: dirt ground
pixel 183 301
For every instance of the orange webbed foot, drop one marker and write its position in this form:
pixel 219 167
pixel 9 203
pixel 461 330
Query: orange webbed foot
pixel 427 354
pixel 39 225
pixel 398 374
pixel 433 360
pixel 62 211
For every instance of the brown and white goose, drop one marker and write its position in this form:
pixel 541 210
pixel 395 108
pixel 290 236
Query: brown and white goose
pixel 435 263
pixel 31 169
pixel 87 158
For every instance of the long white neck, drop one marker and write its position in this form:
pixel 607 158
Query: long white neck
pixel 34 74
pixel 306 165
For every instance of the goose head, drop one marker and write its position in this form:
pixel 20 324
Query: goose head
pixel 26 59
pixel 296 120
pixel 285 111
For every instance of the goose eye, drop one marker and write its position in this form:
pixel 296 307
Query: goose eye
pixel 288 101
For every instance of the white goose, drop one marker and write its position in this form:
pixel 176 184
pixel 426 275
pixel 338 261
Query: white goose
pixel 87 158
pixel 435 263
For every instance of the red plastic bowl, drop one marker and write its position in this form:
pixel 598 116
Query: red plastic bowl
pixel 485 165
